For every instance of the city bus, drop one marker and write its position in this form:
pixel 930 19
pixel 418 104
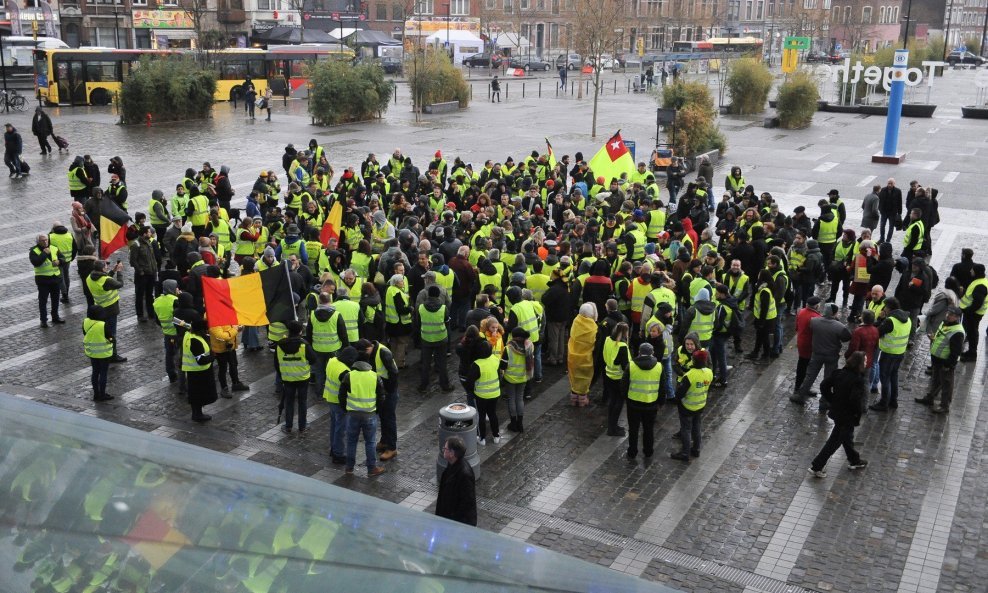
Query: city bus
pixel 18 52
pixel 734 46
pixel 93 76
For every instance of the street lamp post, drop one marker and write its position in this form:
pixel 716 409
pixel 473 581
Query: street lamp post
pixel 946 37
pixel 116 28
pixel 905 35
pixel 984 31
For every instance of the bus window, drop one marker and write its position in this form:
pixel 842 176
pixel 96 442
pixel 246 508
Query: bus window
pixel 256 69
pixel 233 70
pixel 101 72
pixel 298 69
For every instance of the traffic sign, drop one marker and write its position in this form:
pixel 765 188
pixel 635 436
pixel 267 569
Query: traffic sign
pixel 838 46
pixel 630 145
pixel 790 59
pixel 796 43
pixel 336 16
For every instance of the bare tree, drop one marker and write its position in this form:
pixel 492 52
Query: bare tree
pixel 598 27
pixel 198 10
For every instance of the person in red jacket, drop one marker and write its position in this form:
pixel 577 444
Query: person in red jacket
pixel 804 338
pixel 864 339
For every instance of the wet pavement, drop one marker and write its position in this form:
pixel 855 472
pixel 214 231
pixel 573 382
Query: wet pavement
pixel 743 517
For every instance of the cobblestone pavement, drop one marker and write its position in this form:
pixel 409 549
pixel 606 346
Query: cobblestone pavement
pixel 741 518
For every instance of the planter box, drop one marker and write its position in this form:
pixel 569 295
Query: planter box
pixel 447 107
pixel 842 108
pixel 974 112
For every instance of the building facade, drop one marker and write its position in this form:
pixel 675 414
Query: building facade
pixel 866 25
pixel 964 24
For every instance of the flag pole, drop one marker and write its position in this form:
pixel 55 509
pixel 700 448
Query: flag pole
pixel 288 277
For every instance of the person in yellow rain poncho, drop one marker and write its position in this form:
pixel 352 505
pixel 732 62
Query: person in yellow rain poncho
pixel 582 337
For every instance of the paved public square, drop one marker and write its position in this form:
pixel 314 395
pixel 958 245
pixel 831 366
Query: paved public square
pixel 742 517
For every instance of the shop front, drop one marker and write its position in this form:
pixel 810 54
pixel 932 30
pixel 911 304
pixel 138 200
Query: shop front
pixel 164 29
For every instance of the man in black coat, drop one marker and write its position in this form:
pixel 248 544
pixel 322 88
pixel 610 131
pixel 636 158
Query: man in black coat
pixel 457 488
pixel 889 209
pixel 844 390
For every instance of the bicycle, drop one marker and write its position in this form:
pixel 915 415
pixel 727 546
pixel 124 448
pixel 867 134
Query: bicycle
pixel 11 100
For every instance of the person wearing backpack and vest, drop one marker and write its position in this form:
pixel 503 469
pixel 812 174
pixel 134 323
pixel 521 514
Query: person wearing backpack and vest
pixel 294 358
pixel 105 288
pixel 517 366
pixel 692 396
pixel 432 319
pixel 164 315
pixel 197 364
pixel 97 344
pixel 764 313
pixel 47 276
pixel 327 334
pixel 361 390
pixel 483 374
pixel 893 339
pixel 945 349
pixel 336 369
pixel 644 382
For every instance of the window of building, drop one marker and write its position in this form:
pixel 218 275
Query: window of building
pixel 555 6
pixel 554 35
pixel 381 12
pixel 826 4
pixel 809 4
pixel 423 7
pixel 771 8
pixel 139 2
pixel 881 15
pixel 749 9
pixel 540 5
pixel 866 15
pixel 459 7
pixel 847 14
pixel 524 4
pixel 509 6
pixel 656 38
pixel 760 10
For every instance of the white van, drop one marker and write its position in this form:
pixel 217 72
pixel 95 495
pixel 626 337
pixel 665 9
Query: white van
pixel 18 52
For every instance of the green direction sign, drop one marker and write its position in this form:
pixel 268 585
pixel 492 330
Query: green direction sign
pixel 796 43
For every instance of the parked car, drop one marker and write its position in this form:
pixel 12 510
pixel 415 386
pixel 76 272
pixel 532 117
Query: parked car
pixel 964 57
pixel 606 61
pixel 821 57
pixel 483 60
pixel 390 65
pixel 571 61
pixel 526 63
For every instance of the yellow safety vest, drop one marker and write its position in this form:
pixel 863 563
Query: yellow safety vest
pixel 643 385
pixel 277 331
pixel 75 184
pixel 918 224
pixel 896 341
pixel 293 367
pixel 940 347
pixel 445 280
pixel 828 231
pixel 391 308
pixel 103 297
pixel 638 293
pixel 360 262
pixel 769 314
pixel 516 372
pixel 189 362
pixel 968 299
pixel 164 310
pixel 62 244
pixel 656 223
pixel 379 368
pixel 696 396
pixel 611 350
pixel 200 211
pixel 334 375
pixel 433 324
pixel 488 386
pixel 49 267
pixel 363 392
pixel 350 312
pixel 324 336
pixel 703 325
pixel 527 318
pixel 95 344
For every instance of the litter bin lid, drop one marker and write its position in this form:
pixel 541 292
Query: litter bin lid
pixel 457 411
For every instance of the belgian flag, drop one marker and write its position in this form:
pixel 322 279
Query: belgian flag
pixel 251 300
pixel 113 223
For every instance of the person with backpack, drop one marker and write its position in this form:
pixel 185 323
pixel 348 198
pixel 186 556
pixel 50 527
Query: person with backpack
pixel 844 390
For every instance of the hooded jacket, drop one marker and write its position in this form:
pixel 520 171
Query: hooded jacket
pixel 645 363
pixel 703 307
pixel 323 313
pixel 828 336
pixel 886 325
pixel 812 268
pixel 373 329
pixel 292 345
pixel 844 390
pixel 826 215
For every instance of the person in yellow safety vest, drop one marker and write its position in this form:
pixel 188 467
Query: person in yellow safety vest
pixel 335 370
pixel 654 191
pixel 327 333
pixel 644 376
pixel 105 288
pixel 197 364
pixel 63 242
pixel 656 218
pixel 517 366
pixel 738 285
pixel 398 318
pixel 660 293
pixel 432 320
pixel 263 239
pixel 915 236
pixel 292 245
pixel 318 260
pixel 178 204
pixel 223 341
pixel 894 331
pixel 117 192
pixel 362 394
pixel 974 304
pixel 616 356
pixel 247 235
pixel 164 314
pixel 483 377
pixel 825 231
pixel 98 347
pixel 223 231
pixel 349 310
pixel 945 350
pixel 158 215
pixel 692 396
pixel 197 211
pixel 320 180
pixel 298 171
pixel 536 281
pixel 294 359
pixel 79 181
pixel 382 231
pixel 699 318
pixel 735 183
pixel 765 314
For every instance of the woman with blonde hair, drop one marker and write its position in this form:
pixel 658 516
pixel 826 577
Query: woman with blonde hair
pixel 494 333
pixel 582 338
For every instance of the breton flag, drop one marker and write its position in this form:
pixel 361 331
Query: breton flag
pixel 334 222
pixel 550 154
pixel 612 160
pixel 113 222
pixel 252 300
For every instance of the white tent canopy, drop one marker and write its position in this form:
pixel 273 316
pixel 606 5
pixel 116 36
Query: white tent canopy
pixel 342 33
pixel 463 43
pixel 507 39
